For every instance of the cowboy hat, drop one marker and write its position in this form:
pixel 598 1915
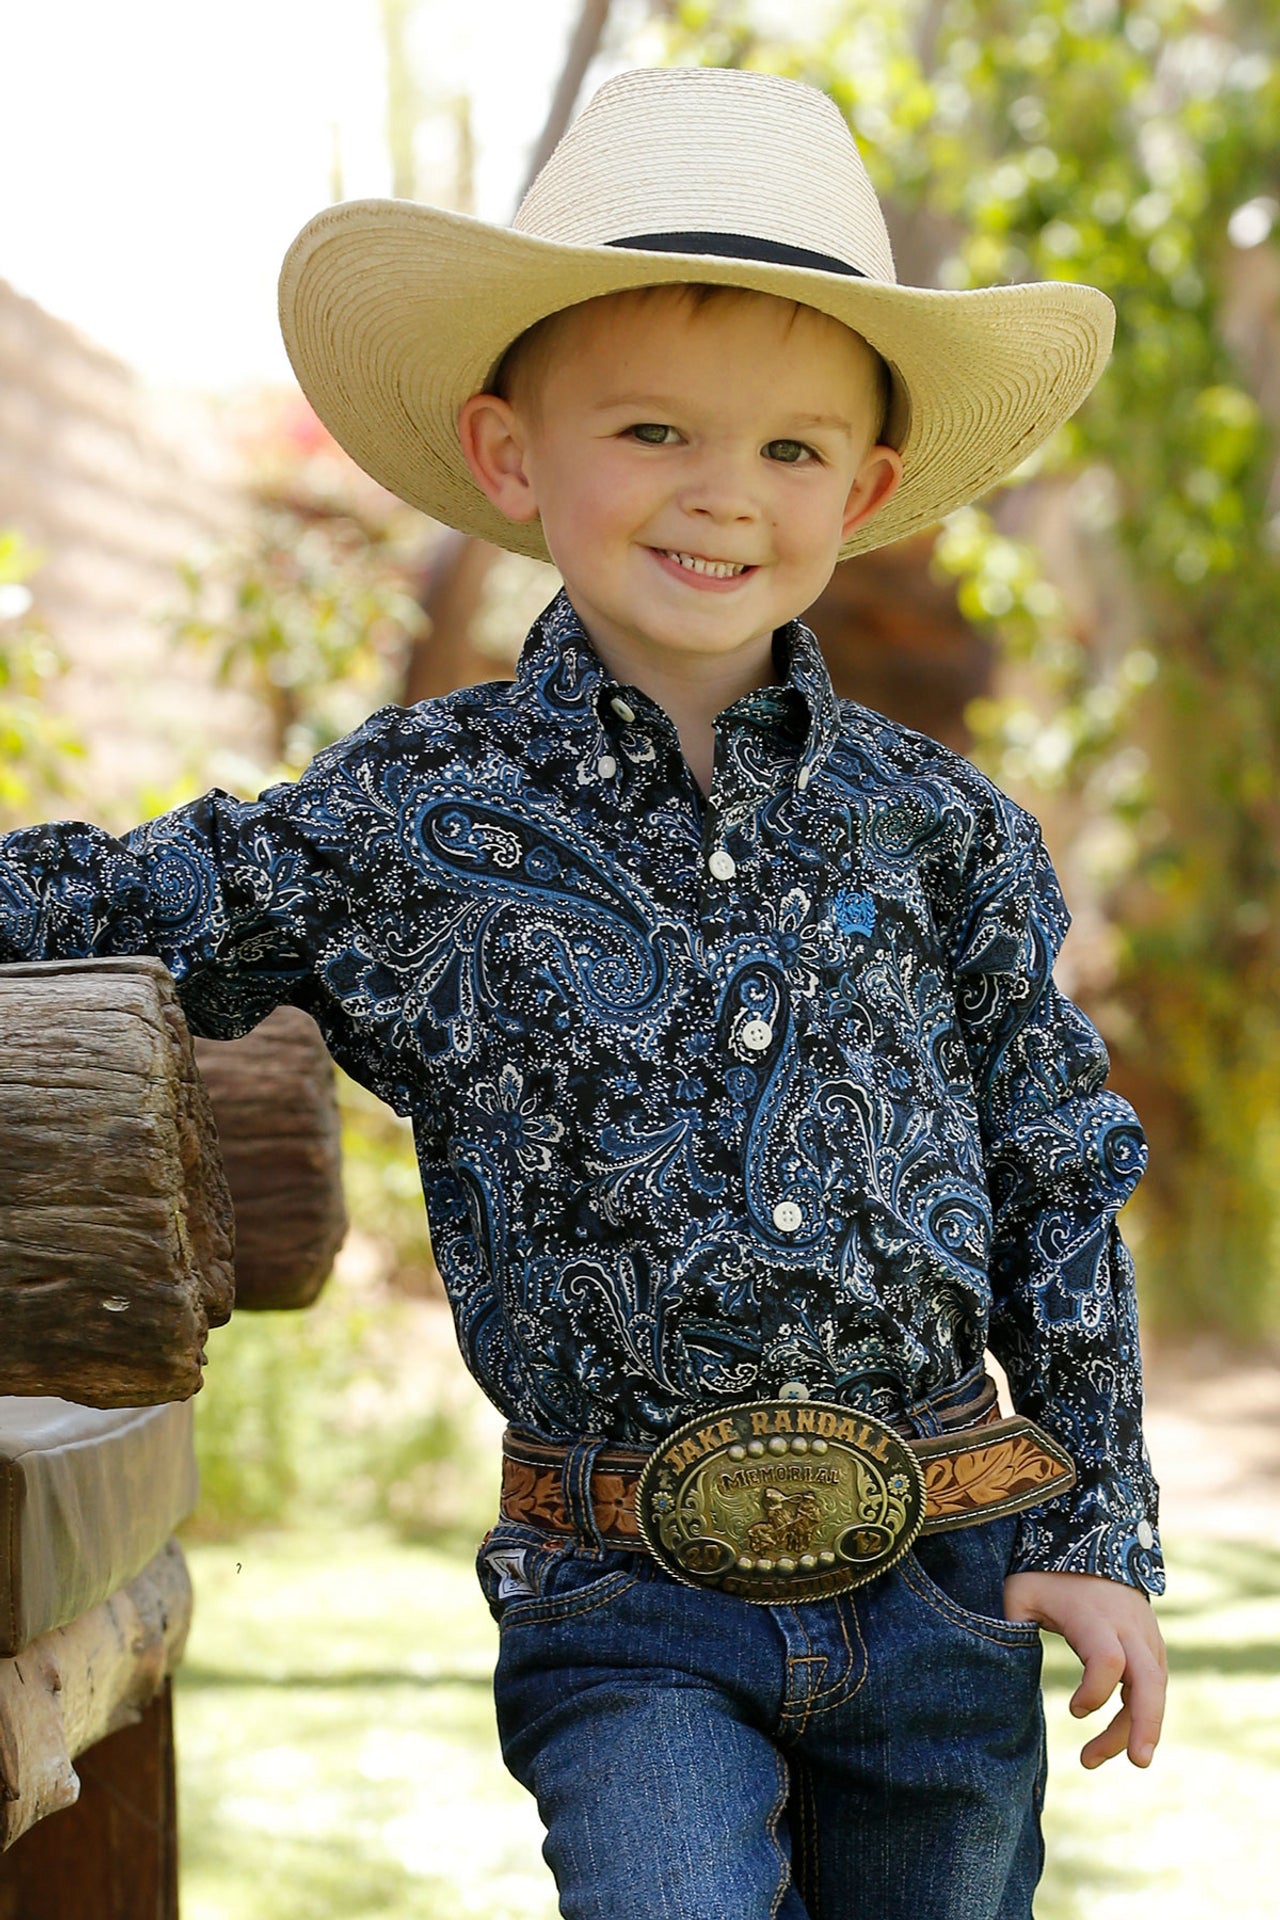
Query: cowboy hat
pixel 394 313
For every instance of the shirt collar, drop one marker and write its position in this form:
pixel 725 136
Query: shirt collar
pixel 562 673
pixel 799 664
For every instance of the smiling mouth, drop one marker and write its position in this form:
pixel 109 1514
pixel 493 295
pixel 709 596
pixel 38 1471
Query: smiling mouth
pixel 693 563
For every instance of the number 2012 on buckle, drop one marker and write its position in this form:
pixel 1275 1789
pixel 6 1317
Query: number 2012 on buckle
pixel 779 1501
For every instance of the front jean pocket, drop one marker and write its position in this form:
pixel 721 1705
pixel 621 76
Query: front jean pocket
pixel 961 1576
pixel 529 1576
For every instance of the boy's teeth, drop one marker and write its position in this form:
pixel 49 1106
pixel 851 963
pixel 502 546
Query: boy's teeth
pixel 723 569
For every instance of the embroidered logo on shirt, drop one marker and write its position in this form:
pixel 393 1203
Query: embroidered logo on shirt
pixel 854 912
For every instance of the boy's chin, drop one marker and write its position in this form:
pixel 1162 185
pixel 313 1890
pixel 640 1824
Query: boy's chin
pixel 701 639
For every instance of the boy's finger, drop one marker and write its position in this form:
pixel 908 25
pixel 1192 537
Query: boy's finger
pixel 1104 1669
pixel 1137 1725
pixel 1144 1694
pixel 1106 1745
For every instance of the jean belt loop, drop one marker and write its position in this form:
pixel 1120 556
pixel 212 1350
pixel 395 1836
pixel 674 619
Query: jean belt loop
pixel 575 1486
pixel 924 1422
pixel 925 1414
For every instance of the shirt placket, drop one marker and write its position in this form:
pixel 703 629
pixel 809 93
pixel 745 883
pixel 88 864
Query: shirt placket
pixel 757 1027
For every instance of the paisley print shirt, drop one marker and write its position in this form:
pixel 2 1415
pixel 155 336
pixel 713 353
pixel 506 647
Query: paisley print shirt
pixel 708 1097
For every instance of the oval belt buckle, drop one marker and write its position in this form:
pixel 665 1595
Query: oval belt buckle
pixel 779 1501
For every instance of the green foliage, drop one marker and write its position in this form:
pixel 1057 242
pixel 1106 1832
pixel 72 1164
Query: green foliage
pixel 247 1426
pixel 384 1189
pixel 311 609
pixel 357 1410
pixel 1132 146
pixel 34 745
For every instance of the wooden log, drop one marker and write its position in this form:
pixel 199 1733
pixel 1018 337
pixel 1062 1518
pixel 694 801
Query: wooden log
pixel 114 1855
pixel 74 1686
pixel 116 1230
pixel 278 1123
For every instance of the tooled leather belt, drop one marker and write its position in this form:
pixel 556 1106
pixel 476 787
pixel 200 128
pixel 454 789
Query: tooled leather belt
pixel 784 1500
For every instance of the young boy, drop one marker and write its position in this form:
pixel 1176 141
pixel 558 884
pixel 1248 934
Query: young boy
pixel 746 1108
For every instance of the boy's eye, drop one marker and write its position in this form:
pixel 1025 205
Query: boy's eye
pixel 651 434
pixel 791 452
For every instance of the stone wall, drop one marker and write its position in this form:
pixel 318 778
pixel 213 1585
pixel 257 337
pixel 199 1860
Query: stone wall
pixel 115 485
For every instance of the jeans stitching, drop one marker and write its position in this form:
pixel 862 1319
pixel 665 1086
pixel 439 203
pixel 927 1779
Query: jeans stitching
pixel 1019 1633
pixel 795 1714
pixel 771 1828
pixel 795 1718
pixel 568 1607
pixel 839 1691
pixel 804 1838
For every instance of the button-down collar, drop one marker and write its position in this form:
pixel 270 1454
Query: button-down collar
pixel 562 673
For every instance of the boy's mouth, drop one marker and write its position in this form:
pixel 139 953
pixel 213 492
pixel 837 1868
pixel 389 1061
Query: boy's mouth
pixel 694 563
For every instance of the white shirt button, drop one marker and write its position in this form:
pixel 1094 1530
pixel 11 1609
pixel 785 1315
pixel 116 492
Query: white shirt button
pixel 757 1035
pixel 625 713
pixel 793 1390
pixel 722 864
pixel 787 1216
pixel 1146 1534
pixel 606 766
pixel 802 778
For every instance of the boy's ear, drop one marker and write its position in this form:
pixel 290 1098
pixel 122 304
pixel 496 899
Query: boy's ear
pixel 493 448
pixel 877 481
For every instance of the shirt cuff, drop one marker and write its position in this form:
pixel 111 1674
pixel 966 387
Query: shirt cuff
pixel 1070 1536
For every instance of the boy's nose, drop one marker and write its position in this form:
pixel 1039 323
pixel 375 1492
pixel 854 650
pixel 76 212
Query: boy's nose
pixel 720 490
pixel 723 504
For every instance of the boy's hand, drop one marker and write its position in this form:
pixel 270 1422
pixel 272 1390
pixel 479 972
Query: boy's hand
pixel 1113 1631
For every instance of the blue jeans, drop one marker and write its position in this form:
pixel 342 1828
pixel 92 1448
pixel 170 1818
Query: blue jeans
pixel 875 1757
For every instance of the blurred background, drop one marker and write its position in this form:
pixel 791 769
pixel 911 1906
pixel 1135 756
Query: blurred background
pixel 197 587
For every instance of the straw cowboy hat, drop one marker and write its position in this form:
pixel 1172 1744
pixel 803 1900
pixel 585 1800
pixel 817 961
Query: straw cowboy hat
pixel 394 313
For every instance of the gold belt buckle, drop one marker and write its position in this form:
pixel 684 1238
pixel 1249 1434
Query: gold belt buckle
pixel 781 1500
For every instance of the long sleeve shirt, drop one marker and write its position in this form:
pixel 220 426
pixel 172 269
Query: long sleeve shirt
pixel 708 1096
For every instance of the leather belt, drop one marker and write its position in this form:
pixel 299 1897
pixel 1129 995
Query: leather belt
pixel 785 1500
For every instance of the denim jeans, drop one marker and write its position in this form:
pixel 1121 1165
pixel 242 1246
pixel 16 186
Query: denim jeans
pixel 879 1756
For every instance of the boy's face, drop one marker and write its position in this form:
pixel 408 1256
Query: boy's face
pixel 696 468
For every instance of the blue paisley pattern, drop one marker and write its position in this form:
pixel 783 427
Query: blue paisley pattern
pixel 688 1127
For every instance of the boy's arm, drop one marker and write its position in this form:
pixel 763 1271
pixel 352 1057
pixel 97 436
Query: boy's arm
pixel 199 888
pixel 1063 1154
pixel 248 903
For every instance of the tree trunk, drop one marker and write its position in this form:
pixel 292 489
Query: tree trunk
pixel 443 657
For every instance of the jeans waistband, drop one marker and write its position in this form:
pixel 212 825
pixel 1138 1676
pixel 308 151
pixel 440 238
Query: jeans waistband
pixel 957 1405
pixel 961 1404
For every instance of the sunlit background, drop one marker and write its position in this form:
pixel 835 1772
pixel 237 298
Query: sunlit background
pixel 196 586
pixel 158 158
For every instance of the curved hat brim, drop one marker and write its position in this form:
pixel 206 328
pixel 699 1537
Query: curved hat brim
pixel 394 313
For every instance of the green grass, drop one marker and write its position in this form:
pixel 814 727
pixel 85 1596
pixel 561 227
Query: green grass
pixel 338 1758
pixel 1197 1833
pixel 337 1753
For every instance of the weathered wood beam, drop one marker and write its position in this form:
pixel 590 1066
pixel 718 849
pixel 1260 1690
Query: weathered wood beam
pixel 116 1230
pixel 114 1855
pixel 279 1127
pixel 72 1687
